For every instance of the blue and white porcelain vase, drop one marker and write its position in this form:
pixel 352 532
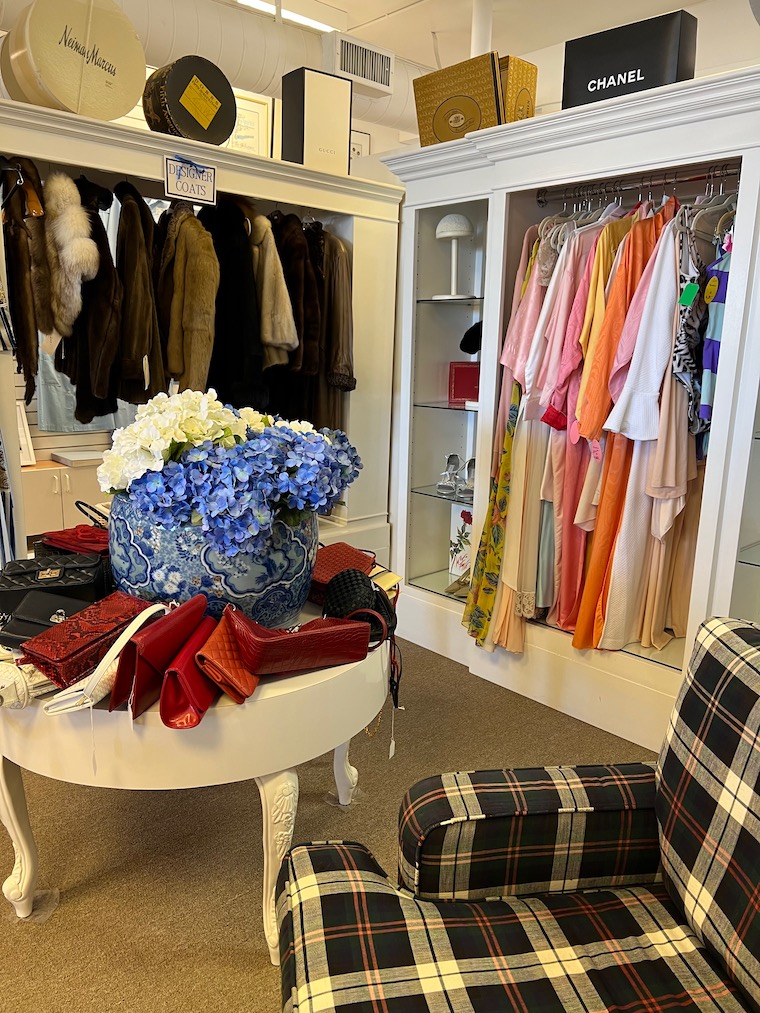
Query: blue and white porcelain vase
pixel 161 563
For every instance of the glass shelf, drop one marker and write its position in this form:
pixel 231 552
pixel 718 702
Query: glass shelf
pixel 437 583
pixel 443 404
pixel 671 656
pixel 432 491
pixel 467 300
pixel 750 554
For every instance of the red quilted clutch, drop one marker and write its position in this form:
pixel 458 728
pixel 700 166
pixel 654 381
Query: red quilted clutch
pixel 321 643
pixel 333 559
pixel 220 660
pixel 70 650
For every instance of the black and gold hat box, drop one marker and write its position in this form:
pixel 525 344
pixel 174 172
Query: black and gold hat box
pixel 190 98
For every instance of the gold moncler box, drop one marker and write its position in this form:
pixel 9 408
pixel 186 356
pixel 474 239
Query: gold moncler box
pixel 518 84
pixel 477 93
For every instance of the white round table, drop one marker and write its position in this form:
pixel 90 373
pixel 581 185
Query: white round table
pixel 288 720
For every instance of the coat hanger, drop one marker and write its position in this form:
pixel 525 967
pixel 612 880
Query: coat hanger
pixel 724 226
pixel 7 166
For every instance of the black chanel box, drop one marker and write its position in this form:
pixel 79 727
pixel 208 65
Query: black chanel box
pixel 633 58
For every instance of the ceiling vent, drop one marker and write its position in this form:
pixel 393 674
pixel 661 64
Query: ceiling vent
pixel 370 68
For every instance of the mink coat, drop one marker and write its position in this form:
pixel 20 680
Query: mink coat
pixel 237 359
pixel 302 286
pixel 141 360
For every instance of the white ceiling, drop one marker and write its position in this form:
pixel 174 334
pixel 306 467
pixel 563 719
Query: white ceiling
pixel 406 26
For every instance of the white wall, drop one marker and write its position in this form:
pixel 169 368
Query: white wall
pixel 728 38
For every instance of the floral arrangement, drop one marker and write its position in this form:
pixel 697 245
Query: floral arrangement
pixel 189 459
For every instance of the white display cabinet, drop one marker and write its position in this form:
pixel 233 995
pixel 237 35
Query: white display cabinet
pixel 692 128
pixel 438 429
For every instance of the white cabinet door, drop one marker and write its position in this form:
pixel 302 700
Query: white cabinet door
pixel 79 483
pixel 43 502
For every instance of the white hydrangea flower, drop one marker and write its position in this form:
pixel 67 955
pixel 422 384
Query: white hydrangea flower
pixel 166 426
pixel 255 420
pixel 296 425
pixel 162 428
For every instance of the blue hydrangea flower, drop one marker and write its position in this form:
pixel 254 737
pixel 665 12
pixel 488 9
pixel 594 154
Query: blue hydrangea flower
pixel 236 493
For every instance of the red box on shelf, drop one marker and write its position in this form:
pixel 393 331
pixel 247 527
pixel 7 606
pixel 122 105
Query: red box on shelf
pixel 464 382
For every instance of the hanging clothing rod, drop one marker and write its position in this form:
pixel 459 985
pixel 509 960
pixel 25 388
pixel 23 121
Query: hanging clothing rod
pixel 715 175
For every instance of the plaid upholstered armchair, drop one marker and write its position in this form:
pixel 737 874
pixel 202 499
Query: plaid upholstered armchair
pixel 633 888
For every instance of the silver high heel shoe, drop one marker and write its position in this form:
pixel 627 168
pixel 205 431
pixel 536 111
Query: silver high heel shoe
pixel 447 483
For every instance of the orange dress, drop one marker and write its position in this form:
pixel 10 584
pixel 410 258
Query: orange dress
pixel 617 464
pixel 594 402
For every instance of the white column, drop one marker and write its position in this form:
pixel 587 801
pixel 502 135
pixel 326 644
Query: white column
pixel 482 27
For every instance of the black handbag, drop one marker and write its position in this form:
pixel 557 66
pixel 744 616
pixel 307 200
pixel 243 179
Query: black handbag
pixel 351 594
pixel 71 575
pixel 37 611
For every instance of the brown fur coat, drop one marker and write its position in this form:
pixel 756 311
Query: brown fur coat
pixel 188 281
pixel 27 268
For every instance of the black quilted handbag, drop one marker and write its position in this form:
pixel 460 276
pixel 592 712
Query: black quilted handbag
pixel 72 574
pixel 352 593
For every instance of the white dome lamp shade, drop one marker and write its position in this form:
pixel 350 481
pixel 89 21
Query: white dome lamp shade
pixel 454 228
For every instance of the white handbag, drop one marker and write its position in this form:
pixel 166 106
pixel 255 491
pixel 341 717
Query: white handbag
pixel 99 684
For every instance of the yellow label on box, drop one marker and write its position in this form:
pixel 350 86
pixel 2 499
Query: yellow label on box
pixel 202 104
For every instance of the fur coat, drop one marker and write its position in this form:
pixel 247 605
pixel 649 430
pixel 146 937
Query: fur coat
pixel 141 368
pixel 278 328
pixel 188 280
pixel 27 268
pixel 302 286
pixel 236 362
pixel 72 254
pixel 90 355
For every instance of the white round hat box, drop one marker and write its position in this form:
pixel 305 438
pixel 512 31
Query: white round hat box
pixel 80 55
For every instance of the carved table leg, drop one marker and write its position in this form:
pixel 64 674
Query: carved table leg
pixel 346 776
pixel 279 801
pixel 19 886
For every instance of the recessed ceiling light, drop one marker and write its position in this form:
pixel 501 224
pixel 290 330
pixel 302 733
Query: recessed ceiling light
pixel 298 19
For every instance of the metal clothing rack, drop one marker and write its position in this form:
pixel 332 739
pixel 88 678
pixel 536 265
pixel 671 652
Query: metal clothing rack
pixel 714 175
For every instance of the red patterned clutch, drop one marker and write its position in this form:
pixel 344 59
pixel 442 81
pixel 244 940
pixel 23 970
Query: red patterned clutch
pixel 67 652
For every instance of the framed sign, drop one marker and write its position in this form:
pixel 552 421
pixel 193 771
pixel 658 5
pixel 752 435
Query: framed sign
pixel 253 127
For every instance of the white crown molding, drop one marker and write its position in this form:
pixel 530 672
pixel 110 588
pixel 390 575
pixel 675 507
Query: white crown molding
pixel 689 102
pixel 452 156
pixel 112 147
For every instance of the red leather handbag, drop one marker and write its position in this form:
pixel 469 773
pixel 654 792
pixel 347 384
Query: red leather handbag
pixel 70 650
pixel 81 538
pixel 320 643
pixel 186 693
pixel 220 660
pixel 149 653
pixel 333 559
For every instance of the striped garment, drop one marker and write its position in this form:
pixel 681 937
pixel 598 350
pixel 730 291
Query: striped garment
pixel 542 890
pixel 711 351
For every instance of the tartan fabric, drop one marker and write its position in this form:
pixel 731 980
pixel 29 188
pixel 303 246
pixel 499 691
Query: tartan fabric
pixel 708 798
pixel 352 942
pixel 474 836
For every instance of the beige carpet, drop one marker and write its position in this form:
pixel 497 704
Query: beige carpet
pixel 160 892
